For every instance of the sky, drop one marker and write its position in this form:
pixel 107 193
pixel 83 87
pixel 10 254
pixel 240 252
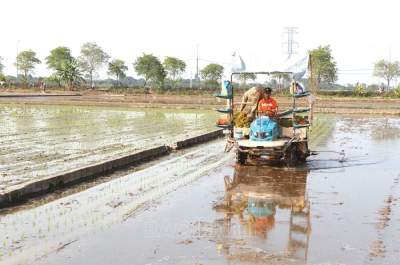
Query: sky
pixel 358 32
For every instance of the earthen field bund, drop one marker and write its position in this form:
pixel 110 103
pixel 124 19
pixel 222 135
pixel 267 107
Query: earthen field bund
pixel 39 186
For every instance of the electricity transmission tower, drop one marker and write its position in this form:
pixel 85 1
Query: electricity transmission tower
pixel 290 42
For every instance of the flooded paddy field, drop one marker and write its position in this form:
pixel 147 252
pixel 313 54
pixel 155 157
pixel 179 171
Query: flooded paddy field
pixel 41 140
pixel 198 207
pixel 31 231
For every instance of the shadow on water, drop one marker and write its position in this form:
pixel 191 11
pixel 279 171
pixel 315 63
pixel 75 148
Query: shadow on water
pixel 264 215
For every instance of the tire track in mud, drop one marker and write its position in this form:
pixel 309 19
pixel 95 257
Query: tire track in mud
pixel 378 248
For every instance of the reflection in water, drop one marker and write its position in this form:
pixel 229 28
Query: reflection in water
pixel 266 215
pixel 389 129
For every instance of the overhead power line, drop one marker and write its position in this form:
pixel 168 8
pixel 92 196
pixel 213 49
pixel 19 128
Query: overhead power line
pixel 358 70
pixel 355 73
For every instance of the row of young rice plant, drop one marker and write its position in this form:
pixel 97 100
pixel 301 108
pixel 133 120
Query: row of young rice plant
pixel 37 141
pixel 34 231
pixel 321 126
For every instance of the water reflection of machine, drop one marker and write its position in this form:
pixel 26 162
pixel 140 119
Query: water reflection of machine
pixel 262 210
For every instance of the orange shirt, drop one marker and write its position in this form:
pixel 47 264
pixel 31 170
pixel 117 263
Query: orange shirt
pixel 267 105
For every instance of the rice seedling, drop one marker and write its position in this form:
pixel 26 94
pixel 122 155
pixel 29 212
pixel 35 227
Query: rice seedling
pixel 322 124
pixel 65 129
pixel 110 202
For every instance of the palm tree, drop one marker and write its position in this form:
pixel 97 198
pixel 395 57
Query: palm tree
pixel 54 78
pixel 70 73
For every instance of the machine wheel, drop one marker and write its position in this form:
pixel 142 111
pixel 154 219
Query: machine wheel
pixel 302 157
pixel 291 157
pixel 302 152
pixel 241 157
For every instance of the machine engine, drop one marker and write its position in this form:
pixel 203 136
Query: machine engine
pixel 263 129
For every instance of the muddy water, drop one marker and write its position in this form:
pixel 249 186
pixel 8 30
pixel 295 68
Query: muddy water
pixel 334 210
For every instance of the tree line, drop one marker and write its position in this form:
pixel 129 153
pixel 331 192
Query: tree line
pixel 72 71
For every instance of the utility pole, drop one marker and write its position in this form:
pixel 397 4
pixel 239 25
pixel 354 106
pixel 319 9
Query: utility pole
pixel 389 66
pixel 197 75
pixel 290 42
pixel 17 63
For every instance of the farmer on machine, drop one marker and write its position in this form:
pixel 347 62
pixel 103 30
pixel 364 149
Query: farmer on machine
pixel 268 106
pixel 253 95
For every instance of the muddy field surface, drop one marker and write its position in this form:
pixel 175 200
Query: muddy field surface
pixel 93 98
pixel 198 207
